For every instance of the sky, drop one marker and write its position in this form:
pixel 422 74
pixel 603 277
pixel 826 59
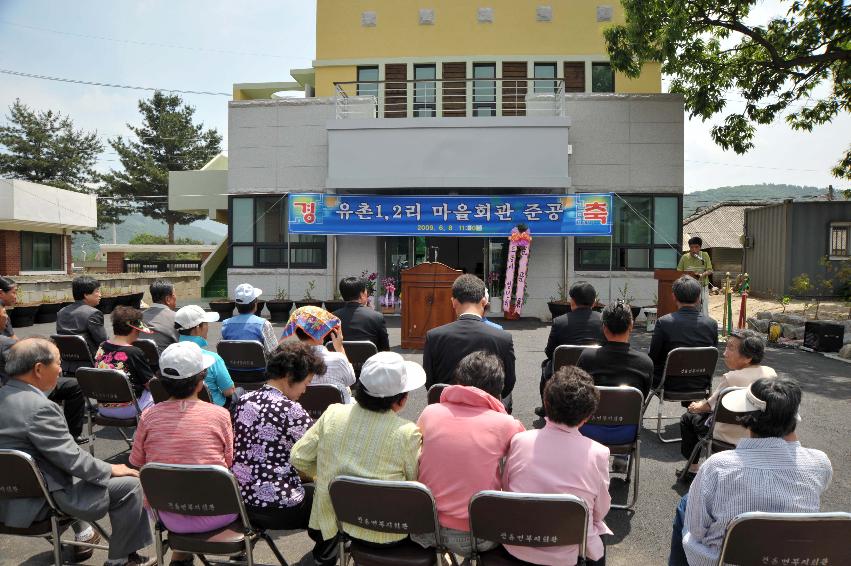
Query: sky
pixel 209 45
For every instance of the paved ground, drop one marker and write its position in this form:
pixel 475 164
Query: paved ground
pixel 641 537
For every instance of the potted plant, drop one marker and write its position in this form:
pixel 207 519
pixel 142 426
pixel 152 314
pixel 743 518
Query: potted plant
pixel 48 310
pixel 280 306
pixel 629 299
pixel 370 286
pixel 23 313
pixel 388 299
pixel 336 303
pixel 223 305
pixel 559 304
pixel 308 300
pixel 108 300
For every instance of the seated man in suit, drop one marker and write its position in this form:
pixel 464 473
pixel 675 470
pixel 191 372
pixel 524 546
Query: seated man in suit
pixel 687 327
pixel 579 327
pixel 359 321
pixel 81 318
pixel 81 485
pixel 160 315
pixel 447 345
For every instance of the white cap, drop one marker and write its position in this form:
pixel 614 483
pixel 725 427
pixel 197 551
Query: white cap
pixel 245 293
pixel 191 316
pixel 387 374
pixel 183 360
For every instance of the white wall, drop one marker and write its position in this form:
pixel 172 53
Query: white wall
pixel 31 206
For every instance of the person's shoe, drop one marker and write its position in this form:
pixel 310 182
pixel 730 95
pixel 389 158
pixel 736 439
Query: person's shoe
pixel 685 478
pixel 137 559
pixel 80 440
pixel 81 553
pixel 184 562
pixel 540 411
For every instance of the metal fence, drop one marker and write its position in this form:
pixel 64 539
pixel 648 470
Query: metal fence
pixel 141 266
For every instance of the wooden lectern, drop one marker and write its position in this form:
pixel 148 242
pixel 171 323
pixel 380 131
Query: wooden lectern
pixel 666 277
pixel 426 301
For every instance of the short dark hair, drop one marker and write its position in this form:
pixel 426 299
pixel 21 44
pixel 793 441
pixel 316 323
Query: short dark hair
pixel 294 361
pixel 617 317
pixel 7 284
pixel 695 240
pixel 583 293
pixel 468 289
pixel 483 370
pixel 686 290
pixel 161 290
pixel 84 285
pixel 23 356
pixel 246 308
pixel 376 404
pixel 121 317
pixel 751 345
pixel 782 396
pixel 352 287
pixel 570 396
pixel 181 388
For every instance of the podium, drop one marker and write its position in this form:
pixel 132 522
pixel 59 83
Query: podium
pixel 426 301
pixel 665 297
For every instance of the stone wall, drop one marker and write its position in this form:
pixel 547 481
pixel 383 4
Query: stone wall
pixel 45 288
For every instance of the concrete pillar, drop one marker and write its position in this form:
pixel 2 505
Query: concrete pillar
pixel 10 252
pixel 115 262
pixel 69 257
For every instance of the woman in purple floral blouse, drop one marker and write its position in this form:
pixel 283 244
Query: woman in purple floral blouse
pixel 266 424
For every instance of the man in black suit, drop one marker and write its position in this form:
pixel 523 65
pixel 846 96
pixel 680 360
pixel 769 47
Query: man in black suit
pixel 687 327
pixel 81 318
pixel 359 321
pixel 579 327
pixel 446 345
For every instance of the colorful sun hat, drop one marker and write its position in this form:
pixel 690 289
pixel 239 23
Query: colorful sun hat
pixel 140 326
pixel 315 321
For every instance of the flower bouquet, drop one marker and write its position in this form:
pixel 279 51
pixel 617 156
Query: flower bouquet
pixel 388 300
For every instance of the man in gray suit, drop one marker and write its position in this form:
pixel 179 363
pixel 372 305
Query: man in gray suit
pixel 81 318
pixel 160 315
pixel 82 486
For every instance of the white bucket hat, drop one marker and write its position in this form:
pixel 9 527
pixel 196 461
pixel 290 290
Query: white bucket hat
pixel 387 374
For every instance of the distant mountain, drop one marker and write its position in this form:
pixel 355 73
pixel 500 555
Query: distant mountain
pixel 765 191
pixel 208 231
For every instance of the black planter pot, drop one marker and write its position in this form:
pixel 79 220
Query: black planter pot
pixel 23 316
pixel 279 311
pixel 107 304
pixel 299 304
pixel 47 312
pixel 65 304
pixel 635 311
pixel 122 300
pixel 558 309
pixel 332 306
pixel 131 300
pixel 224 308
pixel 260 305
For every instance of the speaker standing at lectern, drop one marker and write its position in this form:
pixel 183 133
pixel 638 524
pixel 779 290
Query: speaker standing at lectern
pixel 698 263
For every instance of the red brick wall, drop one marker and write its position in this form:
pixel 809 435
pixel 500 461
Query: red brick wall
pixel 10 252
pixel 115 262
pixel 69 259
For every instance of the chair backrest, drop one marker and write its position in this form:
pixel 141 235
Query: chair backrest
pixel 192 490
pixel 692 366
pixel 568 355
pixel 245 359
pixel 724 415
pixel 404 507
pixel 617 420
pixel 105 385
pixel 357 352
pixel 529 519
pixel 158 392
pixel 149 348
pixel 434 392
pixel 787 538
pixel 20 476
pixel 73 349
pixel 317 398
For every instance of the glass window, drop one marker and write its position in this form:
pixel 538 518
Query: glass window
pixel 242 256
pixel 425 91
pixel 545 71
pixel 41 252
pixel 365 86
pixel 839 237
pixel 242 220
pixel 484 90
pixel 271 223
pixel 602 78
pixel 665 216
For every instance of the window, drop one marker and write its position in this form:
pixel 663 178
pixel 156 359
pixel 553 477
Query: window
pixel 545 71
pixel 645 236
pixel 484 89
pixel 602 78
pixel 41 252
pixel 258 236
pixel 365 87
pixel 425 91
pixel 840 236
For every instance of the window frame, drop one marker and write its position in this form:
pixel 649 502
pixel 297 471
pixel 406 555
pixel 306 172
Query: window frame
pixel 373 90
pixel 57 252
pixel 539 85
pixel 491 104
pixel 839 226
pixel 429 90
pixel 579 246
pixel 598 64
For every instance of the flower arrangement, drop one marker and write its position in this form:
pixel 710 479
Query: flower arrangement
pixel 389 298
pixel 370 281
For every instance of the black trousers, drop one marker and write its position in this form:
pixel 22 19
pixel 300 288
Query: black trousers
pixel 693 427
pixel 68 393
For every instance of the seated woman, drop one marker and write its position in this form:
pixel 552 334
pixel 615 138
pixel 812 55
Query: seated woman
pixel 267 423
pixel 185 430
pixel 558 459
pixel 312 325
pixel 120 353
pixel 743 356
pixel 367 439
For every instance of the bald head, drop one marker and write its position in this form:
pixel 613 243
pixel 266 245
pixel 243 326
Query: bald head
pixel 34 361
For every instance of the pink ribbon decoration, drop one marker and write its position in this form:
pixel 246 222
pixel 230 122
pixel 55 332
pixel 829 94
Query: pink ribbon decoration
pixel 523 240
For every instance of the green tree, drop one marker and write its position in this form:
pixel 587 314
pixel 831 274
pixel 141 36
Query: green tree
pixel 712 50
pixel 167 140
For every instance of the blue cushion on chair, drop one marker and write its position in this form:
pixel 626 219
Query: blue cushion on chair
pixel 610 434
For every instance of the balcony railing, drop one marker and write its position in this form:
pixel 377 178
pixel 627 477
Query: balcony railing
pixel 450 98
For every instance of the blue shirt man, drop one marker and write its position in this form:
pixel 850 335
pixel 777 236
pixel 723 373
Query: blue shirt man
pixel 193 323
pixel 247 325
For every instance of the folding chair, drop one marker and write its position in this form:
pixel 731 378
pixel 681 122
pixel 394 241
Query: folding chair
pixel 246 362
pixel 617 425
pixel 201 491
pixel 687 377
pixel 357 352
pixel 525 519
pixel 317 398
pixel 720 414
pixel 73 353
pixel 19 478
pixel 568 355
pixel 403 507
pixel 107 386
pixel 159 393
pixel 787 538
pixel 435 391
pixel 149 348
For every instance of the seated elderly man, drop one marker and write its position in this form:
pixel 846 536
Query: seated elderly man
pixel 769 472
pixel 82 486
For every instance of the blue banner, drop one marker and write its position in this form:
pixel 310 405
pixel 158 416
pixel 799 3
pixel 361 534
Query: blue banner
pixel 466 215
